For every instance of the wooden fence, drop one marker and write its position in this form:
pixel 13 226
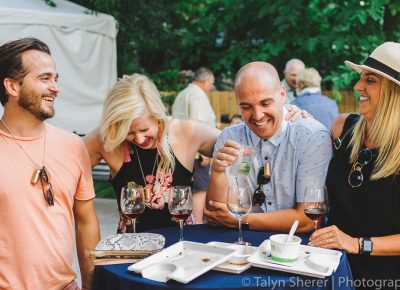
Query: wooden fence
pixel 224 103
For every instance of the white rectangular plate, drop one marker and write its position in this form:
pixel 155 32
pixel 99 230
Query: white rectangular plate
pixel 302 266
pixel 183 262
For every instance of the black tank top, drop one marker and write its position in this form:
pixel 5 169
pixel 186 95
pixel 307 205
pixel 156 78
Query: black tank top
pixel 371 210
pixel 130 171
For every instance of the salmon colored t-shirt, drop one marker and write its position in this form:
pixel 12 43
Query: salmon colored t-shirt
pixel 37 240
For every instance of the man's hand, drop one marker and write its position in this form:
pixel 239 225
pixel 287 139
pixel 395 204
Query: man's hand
pixel 226 155
pixel 205 161
pixel 294 112
pixel 218 215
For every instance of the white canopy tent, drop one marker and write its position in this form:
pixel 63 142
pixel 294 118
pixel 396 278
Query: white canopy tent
pixel 83 46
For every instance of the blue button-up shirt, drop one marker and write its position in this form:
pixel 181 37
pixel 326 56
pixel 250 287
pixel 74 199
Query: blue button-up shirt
pixel 323 109
pixel 299 154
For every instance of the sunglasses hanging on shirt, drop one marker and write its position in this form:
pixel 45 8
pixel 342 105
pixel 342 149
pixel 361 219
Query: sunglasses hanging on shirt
pixel 263 177
pixel 356 176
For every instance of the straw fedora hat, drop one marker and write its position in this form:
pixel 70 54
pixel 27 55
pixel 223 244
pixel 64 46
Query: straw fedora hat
pixel 384 60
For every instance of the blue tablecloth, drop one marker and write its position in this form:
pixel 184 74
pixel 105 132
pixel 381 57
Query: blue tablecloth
pixel 117 277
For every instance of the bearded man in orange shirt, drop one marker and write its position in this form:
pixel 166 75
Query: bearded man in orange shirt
pixel 46 186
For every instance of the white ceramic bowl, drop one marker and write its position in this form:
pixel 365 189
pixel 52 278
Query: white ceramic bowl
pixel 323 263
pixel 242 252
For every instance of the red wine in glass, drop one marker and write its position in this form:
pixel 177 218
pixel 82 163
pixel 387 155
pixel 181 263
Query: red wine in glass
pixel 132 202
pixel 182 214
pixel 132 215
pixel 180 205
pixel 315 203
pixel 314 213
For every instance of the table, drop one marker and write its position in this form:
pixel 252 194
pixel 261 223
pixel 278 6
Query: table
pixel 117 277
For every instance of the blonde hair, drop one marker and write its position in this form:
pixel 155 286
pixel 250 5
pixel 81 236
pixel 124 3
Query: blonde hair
pixel 384 132
pixel 129 98
pixel 309 78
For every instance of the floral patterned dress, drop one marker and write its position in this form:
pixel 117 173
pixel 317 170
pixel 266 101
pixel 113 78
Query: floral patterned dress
pixel 156 214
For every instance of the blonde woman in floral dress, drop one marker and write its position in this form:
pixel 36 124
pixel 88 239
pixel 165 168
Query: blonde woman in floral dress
pixel 141 143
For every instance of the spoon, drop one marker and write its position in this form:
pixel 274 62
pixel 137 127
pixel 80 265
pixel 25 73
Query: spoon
pixel 292 231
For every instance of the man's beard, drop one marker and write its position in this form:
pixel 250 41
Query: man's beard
pixel 32 104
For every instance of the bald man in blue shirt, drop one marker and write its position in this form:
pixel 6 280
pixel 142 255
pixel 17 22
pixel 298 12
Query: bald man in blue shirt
pixel 298 152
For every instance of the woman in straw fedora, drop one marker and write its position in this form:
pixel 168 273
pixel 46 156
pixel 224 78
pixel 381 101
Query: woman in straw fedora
pixel 363 178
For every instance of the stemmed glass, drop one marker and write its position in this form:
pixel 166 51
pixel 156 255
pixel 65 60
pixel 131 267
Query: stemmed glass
pixel 132 202
pixel 180 205
pixel 316 203
pixel 239 201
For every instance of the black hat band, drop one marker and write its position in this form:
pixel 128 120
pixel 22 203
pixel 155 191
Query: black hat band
pixel 375 64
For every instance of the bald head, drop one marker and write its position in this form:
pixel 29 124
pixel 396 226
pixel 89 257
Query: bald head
pixel 260 97
pixel 292 69
pixel 295 64
pixel 260 72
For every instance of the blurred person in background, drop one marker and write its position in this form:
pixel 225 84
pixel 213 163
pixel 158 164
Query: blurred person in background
pixel 236 119
pixel 309 98
pixel 193 103
pixel 292 68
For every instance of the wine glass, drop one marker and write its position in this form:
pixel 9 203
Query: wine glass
pixel 315 203
pixel 180 205
pixel 239 201
pixel 132 202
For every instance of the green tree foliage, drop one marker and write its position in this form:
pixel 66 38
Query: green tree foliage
pixel 161 37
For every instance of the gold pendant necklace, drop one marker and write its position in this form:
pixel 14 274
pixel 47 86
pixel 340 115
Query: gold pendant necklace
pixel 148 187
pixel 267 168
pixel 36 172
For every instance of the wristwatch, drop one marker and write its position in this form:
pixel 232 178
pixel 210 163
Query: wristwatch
pixel 245 226
pixel 365 246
